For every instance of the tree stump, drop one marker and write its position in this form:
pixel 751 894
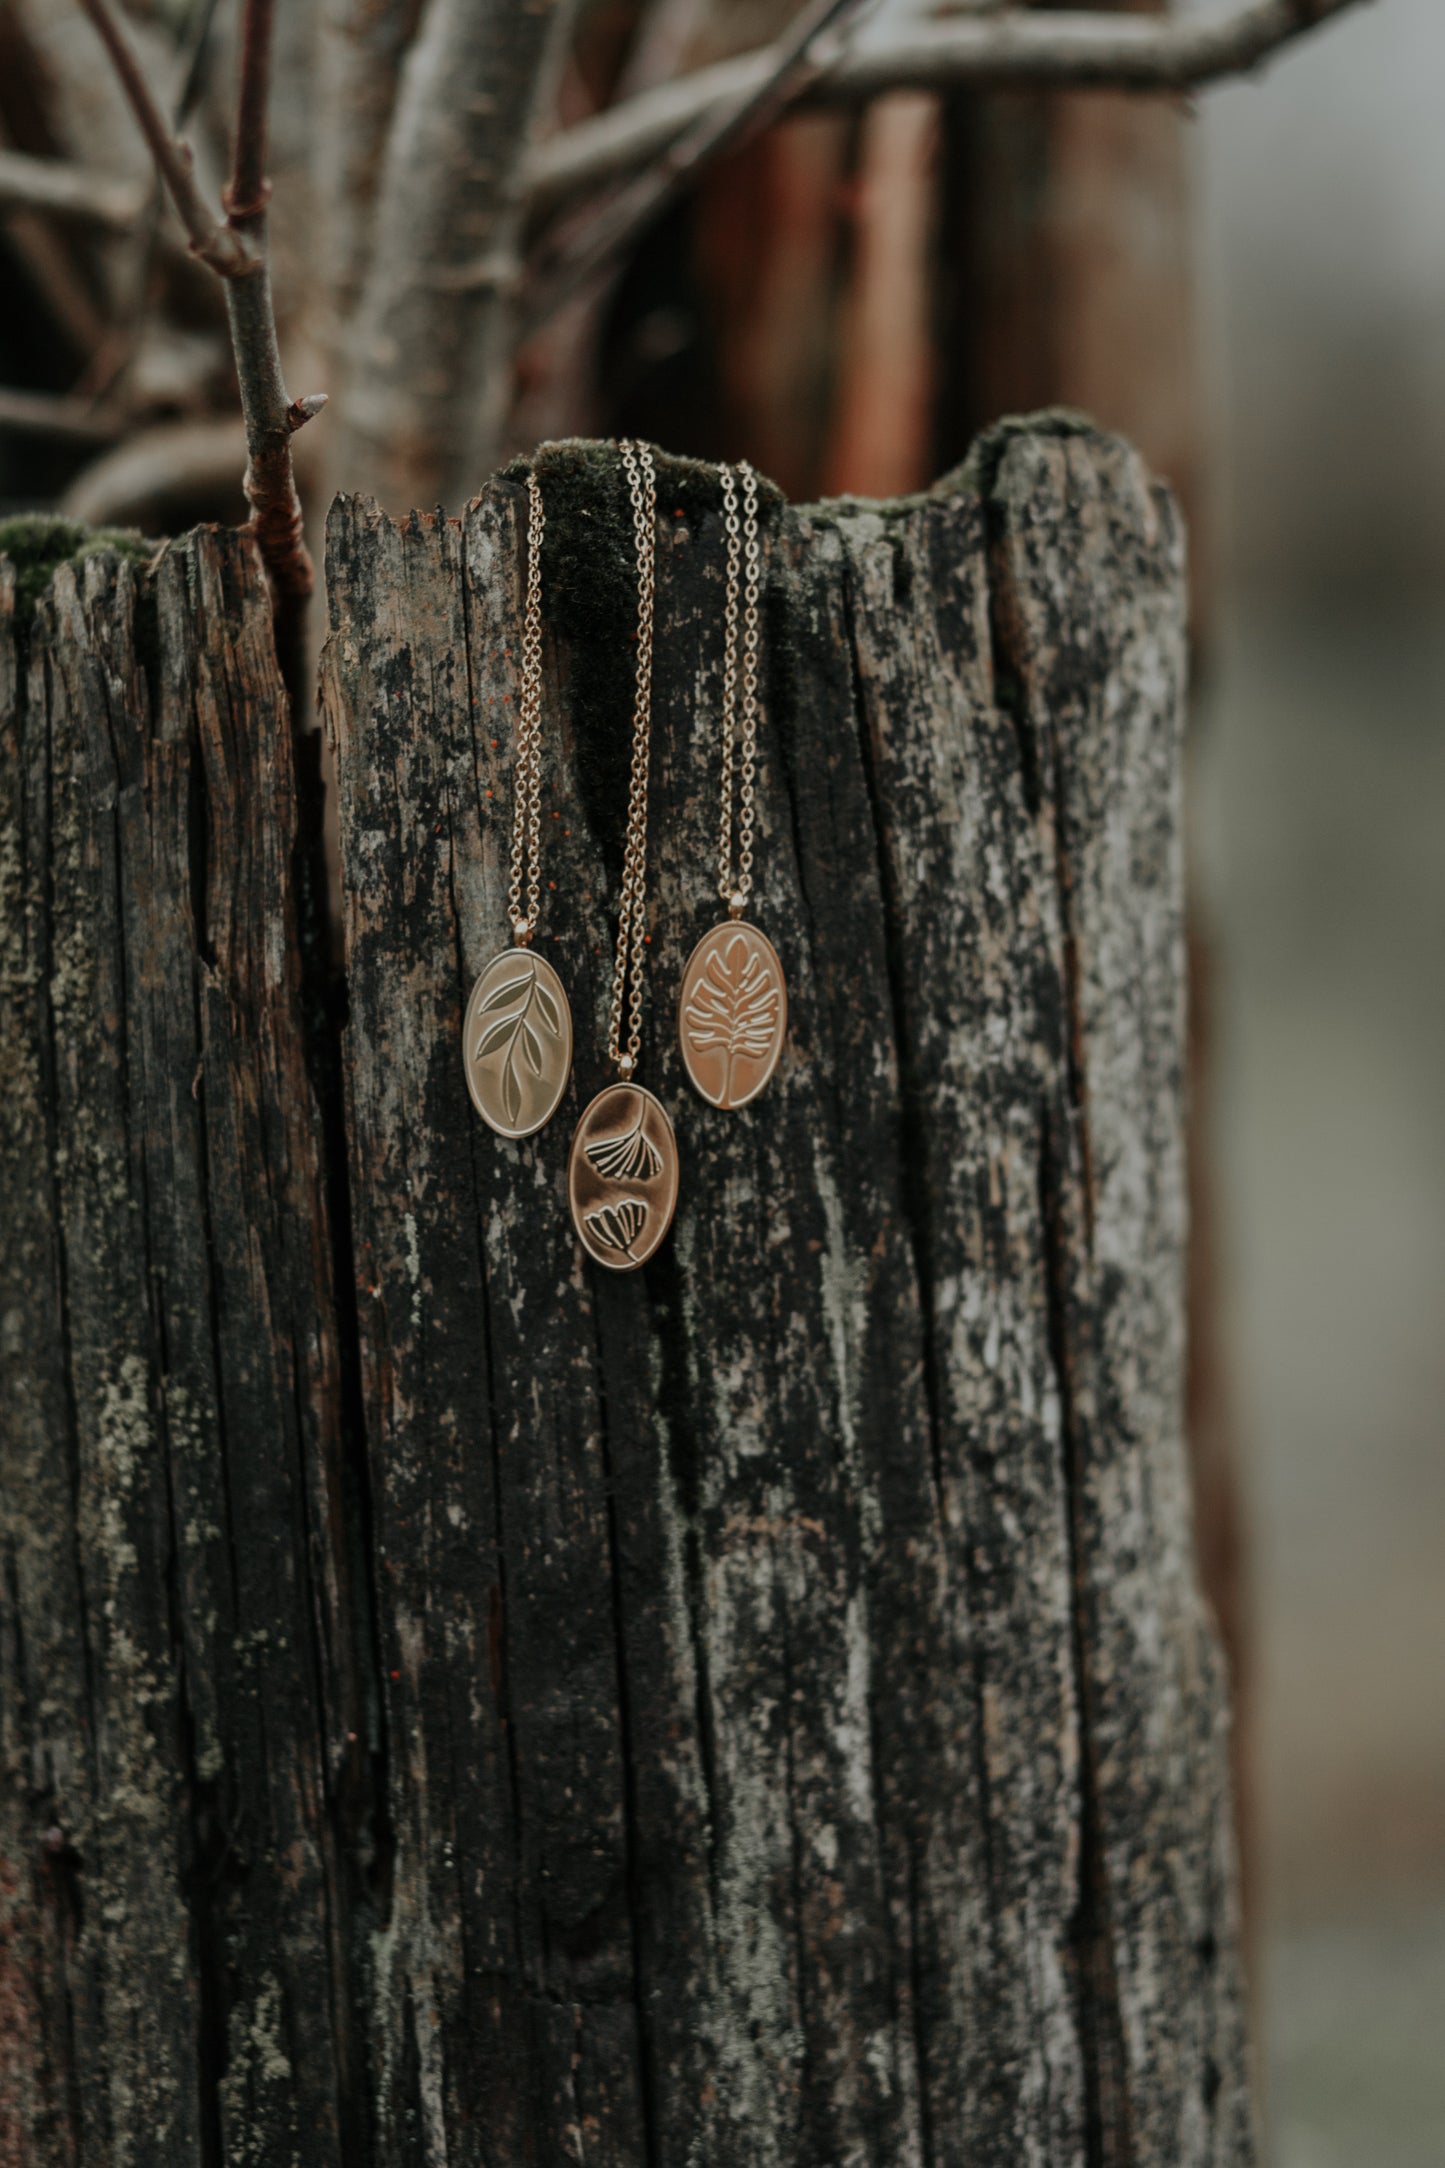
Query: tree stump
pixel 460 1706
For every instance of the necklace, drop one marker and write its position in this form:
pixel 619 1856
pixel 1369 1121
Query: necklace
pixel 732 1010
pixel 518 1035
pixel 622 1173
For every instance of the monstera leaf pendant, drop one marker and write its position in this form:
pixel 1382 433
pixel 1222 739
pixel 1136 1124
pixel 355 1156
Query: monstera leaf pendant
pixel 518 1043
pixel 622 1176
pixel 732 1013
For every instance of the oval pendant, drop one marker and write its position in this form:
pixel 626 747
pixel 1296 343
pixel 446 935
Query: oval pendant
pixel 622 1176
pixel 732 1013
pixel 517 1043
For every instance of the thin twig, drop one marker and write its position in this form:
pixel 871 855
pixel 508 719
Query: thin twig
pixel 66 191
pixel 249 189
pixel 806 50
pixel 211 240
pixel 236 249
pixel 271 418
pixel 1081 50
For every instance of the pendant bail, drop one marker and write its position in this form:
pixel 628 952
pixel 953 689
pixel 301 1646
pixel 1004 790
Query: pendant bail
pixel 737 903
pixel 522 932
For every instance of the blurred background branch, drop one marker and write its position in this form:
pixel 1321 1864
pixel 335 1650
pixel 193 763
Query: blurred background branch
pixel 455 177
pixel 46 184
pixel 211 239
pixel 1011 47
pixel 792 66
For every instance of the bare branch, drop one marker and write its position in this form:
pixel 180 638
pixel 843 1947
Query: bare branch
pixel 1081 50
pixel 266 408
pixel 799 58
pixel 66 191
pixel 237 251
pixel 215 243
pixel 249 189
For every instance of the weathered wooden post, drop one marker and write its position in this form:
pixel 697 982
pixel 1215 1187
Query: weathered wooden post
pixel 461 1708
pixel 179 1635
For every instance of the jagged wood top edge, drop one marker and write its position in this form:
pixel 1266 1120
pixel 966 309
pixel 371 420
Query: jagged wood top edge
pixel 35 547
pixel 577 458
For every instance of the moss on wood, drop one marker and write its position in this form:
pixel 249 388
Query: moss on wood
pixel 37 543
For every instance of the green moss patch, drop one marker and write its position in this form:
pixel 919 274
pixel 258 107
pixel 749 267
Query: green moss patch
pixel 38 543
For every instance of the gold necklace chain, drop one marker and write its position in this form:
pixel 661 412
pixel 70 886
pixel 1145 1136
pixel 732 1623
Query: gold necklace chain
pixel 527 788
pixel 517 1026
pixel 631 924
pixel 743 559
pixel 732 1005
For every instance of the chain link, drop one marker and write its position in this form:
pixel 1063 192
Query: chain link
pixel 527 785
pixel 743 572
pixel 632 918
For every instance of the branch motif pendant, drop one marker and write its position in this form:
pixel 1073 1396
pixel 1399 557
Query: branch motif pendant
pixel 517 1043
pixel 622 1176
pixel 732 1013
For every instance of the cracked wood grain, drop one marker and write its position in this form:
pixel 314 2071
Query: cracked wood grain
pixel 464 1708
pixel 852 1786
pixel 180 1705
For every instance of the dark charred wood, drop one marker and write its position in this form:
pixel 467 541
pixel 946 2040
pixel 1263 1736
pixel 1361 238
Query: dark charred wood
pixel 470 1709
pixel 182 1711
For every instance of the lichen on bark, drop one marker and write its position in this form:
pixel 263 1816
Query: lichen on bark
pixel 757 1710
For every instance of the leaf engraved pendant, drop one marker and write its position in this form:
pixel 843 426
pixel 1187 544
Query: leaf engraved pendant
pixel 518 1043
pixel 622 1176
pixel 732 1013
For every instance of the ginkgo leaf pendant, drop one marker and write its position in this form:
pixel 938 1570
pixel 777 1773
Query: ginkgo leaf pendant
pixel 732 1013
pixel 517 1043
pixel 622 1176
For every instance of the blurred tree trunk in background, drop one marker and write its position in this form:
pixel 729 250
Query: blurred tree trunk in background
pixel 1068 270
